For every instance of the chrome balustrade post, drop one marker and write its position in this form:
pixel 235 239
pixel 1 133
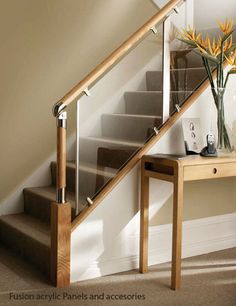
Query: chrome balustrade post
pixel 166 68
pixel 189 13
pixel 77 160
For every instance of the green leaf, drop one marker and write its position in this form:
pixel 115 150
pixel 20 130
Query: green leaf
pixel 231 49
pixel 226 36
pixel 206 55
pixel 232 71
pixel 189 42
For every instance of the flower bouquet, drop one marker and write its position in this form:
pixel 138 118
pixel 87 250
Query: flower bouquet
pixel 217 51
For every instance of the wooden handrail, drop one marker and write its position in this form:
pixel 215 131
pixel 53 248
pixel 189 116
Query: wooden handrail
pixel 113 58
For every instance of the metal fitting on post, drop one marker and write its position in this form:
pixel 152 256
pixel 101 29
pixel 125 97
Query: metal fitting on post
pixel 62 120
pixel 154 30
pixel 178 108
pixel 156 130
pixel 176 9
pixel 87 92
pixel 61 195
pixel 90 202
pixel 58 108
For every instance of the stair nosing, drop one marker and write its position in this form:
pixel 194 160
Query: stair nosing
pixel 181 50
pixel 177 69
pixel 133 116
pixel 158 91
pixel 90 168
pixel 115 141
pixel 36 191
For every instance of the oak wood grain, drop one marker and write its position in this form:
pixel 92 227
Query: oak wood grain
pixel 177 227
pixel 61 157
pixel 209 171
pixel 60 244
pixel 144 221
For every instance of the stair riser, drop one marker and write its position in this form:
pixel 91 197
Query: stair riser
pixel 178 98
pixel 175 98
pixel 139 103
pixel 181 59
pixel 28 248
pixel 39 206
pixel 128 128
pixel 89 183
pixel 184 80
pixel 89 150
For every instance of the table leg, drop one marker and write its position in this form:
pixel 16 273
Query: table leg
pixel 177 228
pixel 144 221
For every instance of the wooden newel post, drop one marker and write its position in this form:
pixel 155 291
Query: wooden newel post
pixel 61 214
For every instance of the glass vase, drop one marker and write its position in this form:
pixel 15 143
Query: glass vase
pixel 223 142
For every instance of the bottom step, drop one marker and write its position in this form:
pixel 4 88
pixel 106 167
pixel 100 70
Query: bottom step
pixel 37 202
pixel 29 237
pixel 17 275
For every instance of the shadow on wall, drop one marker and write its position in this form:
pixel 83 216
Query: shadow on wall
pixel 198 199
pixel 121 233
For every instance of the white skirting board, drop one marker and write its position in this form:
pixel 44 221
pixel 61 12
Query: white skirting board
pixel 199 237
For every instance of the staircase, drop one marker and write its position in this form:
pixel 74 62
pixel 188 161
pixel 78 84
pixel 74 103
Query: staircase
pixel 123 135
pixel 41 233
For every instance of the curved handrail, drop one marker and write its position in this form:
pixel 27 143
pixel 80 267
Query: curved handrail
pixel 113 58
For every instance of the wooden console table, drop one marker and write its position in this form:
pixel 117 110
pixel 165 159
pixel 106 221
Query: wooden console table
pixel 176 169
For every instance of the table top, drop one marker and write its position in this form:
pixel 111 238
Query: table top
pixel 190 159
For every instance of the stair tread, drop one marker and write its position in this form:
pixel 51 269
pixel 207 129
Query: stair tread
pixel 182 50
pixel 91 168
pixel 114 141
pixel 151 92
pixel 188 68
pixel 156 91
pixel 29 226
pixel 134 116
pixel 140 92
pixel 49 192
pixel 177 69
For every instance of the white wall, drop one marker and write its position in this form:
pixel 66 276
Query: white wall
pixel 184 17
pixel 46 48
pixel 207 13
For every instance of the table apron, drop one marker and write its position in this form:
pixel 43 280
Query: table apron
pixel 211 171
